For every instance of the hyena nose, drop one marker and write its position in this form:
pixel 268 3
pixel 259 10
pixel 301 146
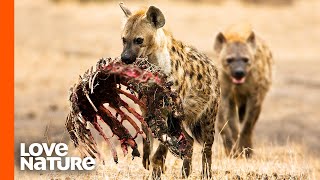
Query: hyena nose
pixel 239 74
pixel 126 58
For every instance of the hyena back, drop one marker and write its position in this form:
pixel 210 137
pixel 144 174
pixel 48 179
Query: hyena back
pixel 245 78
pixel 194 75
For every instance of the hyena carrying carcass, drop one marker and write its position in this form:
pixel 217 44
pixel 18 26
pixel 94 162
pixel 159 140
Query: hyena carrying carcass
pixel 245 78
pixel 194 75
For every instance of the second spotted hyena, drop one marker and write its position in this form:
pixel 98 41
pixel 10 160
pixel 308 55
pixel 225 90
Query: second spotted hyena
pixel 245 78
pixel 195 78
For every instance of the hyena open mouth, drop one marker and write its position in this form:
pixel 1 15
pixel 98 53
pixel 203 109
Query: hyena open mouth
pixel 238 80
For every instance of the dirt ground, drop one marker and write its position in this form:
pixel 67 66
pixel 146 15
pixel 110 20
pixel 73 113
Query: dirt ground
pixel 56 42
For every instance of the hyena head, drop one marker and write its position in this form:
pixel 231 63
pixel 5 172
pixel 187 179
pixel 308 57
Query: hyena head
pixel 236 54
pixel 140 33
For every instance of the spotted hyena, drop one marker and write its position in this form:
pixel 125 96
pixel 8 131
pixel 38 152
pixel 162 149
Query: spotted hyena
pixel 195 78
pixel 245 78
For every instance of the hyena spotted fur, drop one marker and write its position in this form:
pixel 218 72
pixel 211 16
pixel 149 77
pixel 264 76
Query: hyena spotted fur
pixel 194 75
pixel 245 78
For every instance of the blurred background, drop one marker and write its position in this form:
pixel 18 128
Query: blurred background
pixel 57 40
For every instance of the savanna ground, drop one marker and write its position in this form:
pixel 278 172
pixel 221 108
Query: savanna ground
pixel 55 42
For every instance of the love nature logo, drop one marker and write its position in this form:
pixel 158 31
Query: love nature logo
pixel 39 156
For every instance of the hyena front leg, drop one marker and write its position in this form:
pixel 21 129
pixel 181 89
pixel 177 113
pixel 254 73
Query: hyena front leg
pixel 228 125
pixel 158 161
pixel 147 147
pixel 187 161
pixel 253 109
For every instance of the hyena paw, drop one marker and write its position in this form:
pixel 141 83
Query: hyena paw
pixel 146 162
pixel 186 170
pixel 156 172
pixel 158 168
pixel 206 174
pixel 245 147
pixel 247 152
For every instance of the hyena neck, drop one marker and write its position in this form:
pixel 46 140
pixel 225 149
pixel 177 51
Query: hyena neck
pixel 161 56
pixel 179 55
pixel 167 52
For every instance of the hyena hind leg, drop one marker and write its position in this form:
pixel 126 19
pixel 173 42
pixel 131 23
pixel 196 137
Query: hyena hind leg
pixel 208 139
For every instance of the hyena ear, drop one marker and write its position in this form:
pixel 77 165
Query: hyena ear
pixel 218 44
pixel 252 40
pixel 126 11
pixel 155 17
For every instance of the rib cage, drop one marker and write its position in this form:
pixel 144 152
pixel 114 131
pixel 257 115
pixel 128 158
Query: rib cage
pixel 149 89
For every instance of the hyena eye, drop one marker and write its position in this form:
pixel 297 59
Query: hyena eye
pixel 230 60
pixel 138 40
pixel 246 60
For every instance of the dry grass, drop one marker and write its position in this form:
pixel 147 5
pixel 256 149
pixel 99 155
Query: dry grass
pixel 269 162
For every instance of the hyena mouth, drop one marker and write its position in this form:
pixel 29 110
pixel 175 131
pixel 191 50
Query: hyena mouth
pixel 238 81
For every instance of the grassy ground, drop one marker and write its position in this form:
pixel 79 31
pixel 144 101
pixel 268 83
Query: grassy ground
pixel 54 43
pixel 269 162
